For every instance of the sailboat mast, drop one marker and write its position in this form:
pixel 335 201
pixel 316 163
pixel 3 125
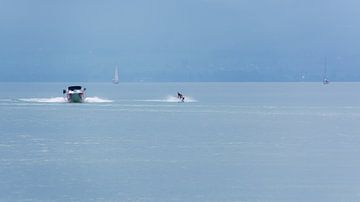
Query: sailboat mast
pixel 116 76
pixel 325 79
pixel 325 68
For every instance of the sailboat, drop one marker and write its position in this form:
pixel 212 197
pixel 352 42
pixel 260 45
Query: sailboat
pixel 116 76
pixel 325 79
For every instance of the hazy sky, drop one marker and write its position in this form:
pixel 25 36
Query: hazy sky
pixel 182 40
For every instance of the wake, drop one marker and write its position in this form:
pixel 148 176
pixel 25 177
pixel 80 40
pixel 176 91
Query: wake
pixel 170 98
pixel 63 100
pixel 97 100
pixel 45 100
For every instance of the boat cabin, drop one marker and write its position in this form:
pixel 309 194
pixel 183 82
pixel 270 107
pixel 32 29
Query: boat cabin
pixel 72 88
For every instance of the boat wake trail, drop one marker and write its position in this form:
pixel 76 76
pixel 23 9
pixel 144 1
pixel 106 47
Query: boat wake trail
pixel 96 100
pixel 63 100
pixel 45 100
pixel 170 98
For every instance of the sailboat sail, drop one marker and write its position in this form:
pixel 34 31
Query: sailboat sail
pixel 116 76
pixel 325 79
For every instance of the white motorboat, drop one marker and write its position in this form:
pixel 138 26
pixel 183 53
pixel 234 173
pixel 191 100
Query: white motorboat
pixel 74 94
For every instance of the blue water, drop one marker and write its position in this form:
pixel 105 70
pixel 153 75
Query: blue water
pixel 133 142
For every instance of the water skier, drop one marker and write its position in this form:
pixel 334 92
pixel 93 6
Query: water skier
pixel 181 97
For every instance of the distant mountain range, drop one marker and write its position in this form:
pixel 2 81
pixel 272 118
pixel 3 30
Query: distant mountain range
pixel 172 66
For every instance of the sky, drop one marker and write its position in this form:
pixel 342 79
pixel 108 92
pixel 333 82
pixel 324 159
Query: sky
pixel 179 40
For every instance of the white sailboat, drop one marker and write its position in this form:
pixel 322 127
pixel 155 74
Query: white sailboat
pixel 116 76
pixel 325 79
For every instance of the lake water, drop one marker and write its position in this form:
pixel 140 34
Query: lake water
pixel 135 142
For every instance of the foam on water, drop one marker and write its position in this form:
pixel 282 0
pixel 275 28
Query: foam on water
pixel 45 100
pixel 63 100
pixel 96 100
pixel 171 98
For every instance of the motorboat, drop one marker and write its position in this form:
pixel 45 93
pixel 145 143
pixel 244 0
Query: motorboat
pixel 74 94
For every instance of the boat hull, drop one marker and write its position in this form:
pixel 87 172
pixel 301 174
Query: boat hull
pixel 75 98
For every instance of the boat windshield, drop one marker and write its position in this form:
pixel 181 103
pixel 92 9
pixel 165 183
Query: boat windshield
pixel 74 88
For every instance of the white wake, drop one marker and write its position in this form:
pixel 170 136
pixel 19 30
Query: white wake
pixel 96 100
pixel 45 100
pixel 170 98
